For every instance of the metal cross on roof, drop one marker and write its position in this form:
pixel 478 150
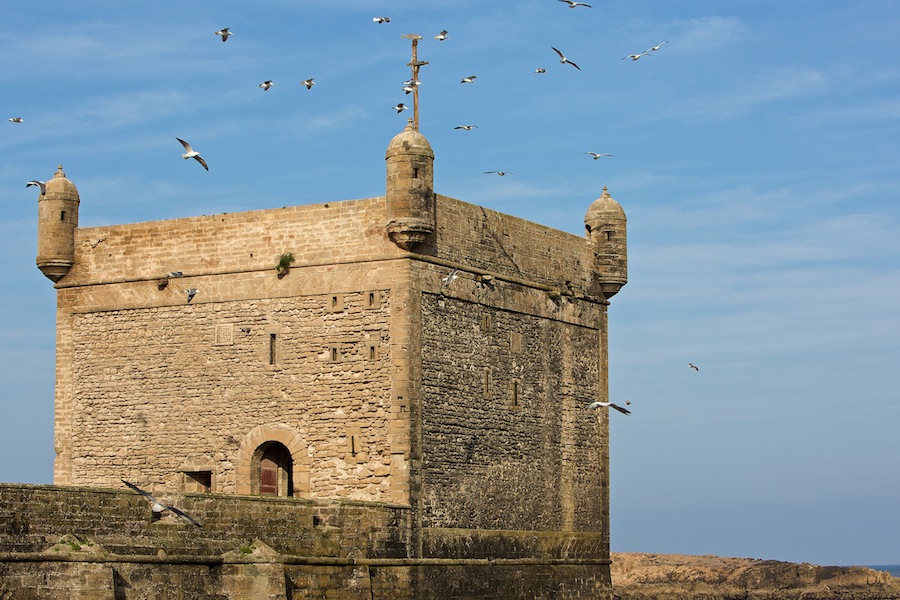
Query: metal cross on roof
pixel 414 64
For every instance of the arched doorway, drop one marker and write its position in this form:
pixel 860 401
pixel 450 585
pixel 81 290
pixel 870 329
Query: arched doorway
pixel 274 472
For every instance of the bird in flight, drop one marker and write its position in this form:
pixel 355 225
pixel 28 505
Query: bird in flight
pixel 466 127
pixel 564 60
pixel 573 4
pixel 635 57
pixel 224 33
pixel 469 79
pixel 191 153
pixel 597 155
pixel 265 85
pixel 400 107
pixel 40 184
pixel 309 83
pixel 441 36
pixel 191 292
pixel 16 120
pixel 621 409
pixel 656 47
pixel 540 70
pixel 450 278
pixel 158 507
pixel 381 20
pixel 500 173
pixel 693 366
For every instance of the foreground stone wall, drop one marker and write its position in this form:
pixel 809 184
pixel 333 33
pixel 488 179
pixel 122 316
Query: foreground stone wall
pixel 63 543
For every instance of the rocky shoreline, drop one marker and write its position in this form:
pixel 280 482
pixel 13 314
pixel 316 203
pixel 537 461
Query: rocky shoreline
pixel 642 576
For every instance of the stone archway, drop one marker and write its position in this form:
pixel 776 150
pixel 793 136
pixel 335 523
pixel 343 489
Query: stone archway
pixel 283 449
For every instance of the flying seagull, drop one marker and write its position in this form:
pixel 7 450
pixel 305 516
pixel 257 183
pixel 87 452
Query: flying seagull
pixel 309 83
pixel 500 173
pixel 469 79
pixel 597 155
pixel 381 20
pixel 564 60
pixel 441 36
pixel 265 85
pixel 224 33
pixel 400 107
pixel 635 57
pixel 191 292
pixel 445 281
pixel 540 70
pixel 656 47
pixel 191 153
pixel 573 4
pixel 466 127
pixel 693 366
pixel 158 507
pixel 594 405
pixel 40 184
pixel 16 120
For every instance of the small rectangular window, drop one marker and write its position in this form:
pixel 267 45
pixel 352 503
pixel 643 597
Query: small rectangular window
pixel 486 383
pixel 273 348
pixel 62 215
pixel 334 354
pixel 415 173
pixel 485 323
pixel 514 392
pixel 373 352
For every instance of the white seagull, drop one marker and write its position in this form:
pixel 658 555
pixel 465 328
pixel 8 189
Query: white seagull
pixel 16 120
pixel 265 85
pixel 224 33
pixel 597 155
pixel 175 274
pixel 441 36
pixel 400 107
pixel 635 57
pixel 466 127
pixel 564 60
pixel 191 153
pixel 381 20
pixel 469 79
pixel 158 507
pixel 540 70
pixel 191 292
pixel 573 4
pixel 40 184
pixel 656 47
pixel 500 173
pixel 594 405
pixel 450 278
pixel 309 83
pixel 693 366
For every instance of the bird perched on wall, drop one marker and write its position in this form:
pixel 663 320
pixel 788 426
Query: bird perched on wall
pixel 174 274
pixel 595 405
pixel 441 36
pixel 597 155
pixel 191 292
pixel 158 507
pixel 265 85
pixel 693 366
pixel 224 33
pixel 39 184
pixel 191 153
pixel 381 20
pixel 564 60
pixel 309 83
pixel 16 120
pixel 450 278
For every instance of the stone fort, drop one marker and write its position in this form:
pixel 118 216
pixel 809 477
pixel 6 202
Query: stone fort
pixel 366 399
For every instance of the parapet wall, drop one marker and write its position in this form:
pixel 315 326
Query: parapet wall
pixel 66 542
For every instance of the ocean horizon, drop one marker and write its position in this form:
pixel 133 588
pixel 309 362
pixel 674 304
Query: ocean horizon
pixel 892 569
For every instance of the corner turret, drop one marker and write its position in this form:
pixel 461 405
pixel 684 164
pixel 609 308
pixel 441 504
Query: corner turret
pixel 410 189
pixel 57 221
pixel 604 225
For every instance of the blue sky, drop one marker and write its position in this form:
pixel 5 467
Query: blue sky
pixel 757 155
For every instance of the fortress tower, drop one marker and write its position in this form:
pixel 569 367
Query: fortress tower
pixel 362 382
pixel 57 221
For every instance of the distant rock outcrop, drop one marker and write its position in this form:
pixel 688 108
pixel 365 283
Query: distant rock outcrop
pixel 639 576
